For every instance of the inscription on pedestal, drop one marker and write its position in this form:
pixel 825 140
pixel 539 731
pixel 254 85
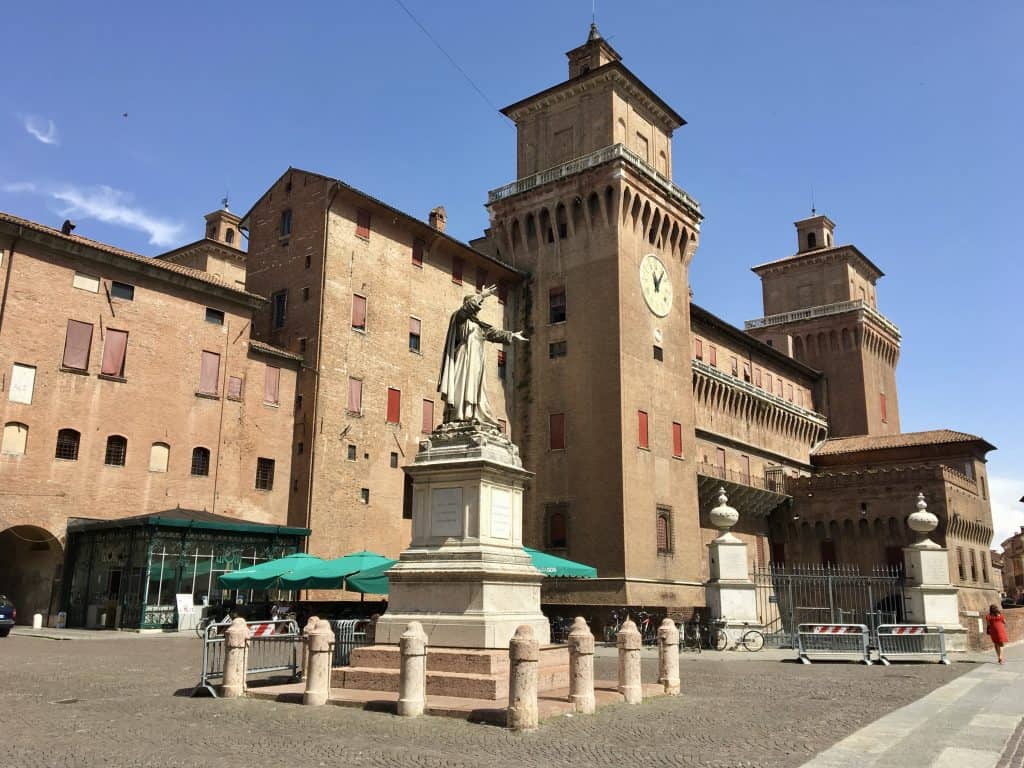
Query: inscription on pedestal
pixel 446 512
pixel 501 514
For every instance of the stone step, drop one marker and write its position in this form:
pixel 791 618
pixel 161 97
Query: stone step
pixel 464 660
pixel 467 686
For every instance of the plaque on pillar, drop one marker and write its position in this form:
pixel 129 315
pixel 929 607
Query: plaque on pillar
pixel 730 593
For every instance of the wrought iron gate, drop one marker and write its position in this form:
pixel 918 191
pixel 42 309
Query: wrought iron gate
pixel 789 595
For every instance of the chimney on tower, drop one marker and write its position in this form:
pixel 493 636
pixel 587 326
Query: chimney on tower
pixel 438 218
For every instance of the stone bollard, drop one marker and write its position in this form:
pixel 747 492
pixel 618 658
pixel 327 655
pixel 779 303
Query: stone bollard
pixel 236 645
pixel 318 673
pixel 581 667
pixel 306 631
pixel 668 656
pixel 412 679
pixel 524 659
pixel 629 642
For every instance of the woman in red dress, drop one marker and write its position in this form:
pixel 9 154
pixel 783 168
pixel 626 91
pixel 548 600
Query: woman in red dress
pixel 997 630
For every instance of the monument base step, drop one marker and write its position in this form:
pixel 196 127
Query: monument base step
pixel 458 672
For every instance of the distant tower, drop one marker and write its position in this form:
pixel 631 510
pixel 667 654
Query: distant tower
pixel 820 308
pixel 222 226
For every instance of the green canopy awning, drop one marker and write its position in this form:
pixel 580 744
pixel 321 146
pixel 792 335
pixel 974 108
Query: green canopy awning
pixel 268 574
pixel 331 574
pixel 374 581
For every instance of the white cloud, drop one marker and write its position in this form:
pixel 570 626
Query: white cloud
pixel 43 130
pixel 1007 511
pixel 106 204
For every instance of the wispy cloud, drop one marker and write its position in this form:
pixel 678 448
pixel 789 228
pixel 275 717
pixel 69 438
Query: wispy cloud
pixel 42 129
pixel 106 204
pixel 1007 511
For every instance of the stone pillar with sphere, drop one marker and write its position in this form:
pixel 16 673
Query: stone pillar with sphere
pixel 729 591
pixel 931 597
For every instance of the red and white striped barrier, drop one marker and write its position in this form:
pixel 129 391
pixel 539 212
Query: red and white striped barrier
pixel 837 629
pixel 847 640
pixel 261 628
pixel 913 642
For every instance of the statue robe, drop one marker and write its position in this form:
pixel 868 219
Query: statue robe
pixel 463 365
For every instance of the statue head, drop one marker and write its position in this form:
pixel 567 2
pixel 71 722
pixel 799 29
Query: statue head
pixel 473 302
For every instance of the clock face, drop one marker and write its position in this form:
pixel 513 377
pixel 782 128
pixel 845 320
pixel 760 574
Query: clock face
pixel 656 285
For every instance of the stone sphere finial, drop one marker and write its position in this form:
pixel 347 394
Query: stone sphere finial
pixel 922 521
pixel 723 516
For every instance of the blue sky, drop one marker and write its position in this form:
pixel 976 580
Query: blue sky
pixel 903 117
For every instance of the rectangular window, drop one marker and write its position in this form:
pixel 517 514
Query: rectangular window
pixel 768 382
pixel 720 460
pixel 659 353
pixel 394 414
pixel 272 385
pixel 286 223
pixel 302 346
pixel 481 278
pixel 214 316
pixel 698 349
pixel 417 252
pixel 414 334
pixel 663 524
pixel 305 293
pixel 960 563
pixel 355 396
pixel 974 566
pixel 885 416
pixel 779 382
pixel 677 439
pixel 641 429
pixel 358 312
pixel 86 282
pixel 556 305
pixel 264 474
pixel 209 374
pixel 124 291
pixel 363 224
pixel 501 364
pixel 428 416
pixel 76 345
pixel 114 347
pixel 712 355
pixel 757 378
pixel 734 366
pixel 457 265
pixel 556 349
pixel 984 566
pixel 364 495
pixel 828 552
pixel 23 383
pixel 279 309
pixel 556 431
pixel 745 469
pixel 235 387
pixel 351 453
pixel 394 460
pixel 746 372
pixel 789 393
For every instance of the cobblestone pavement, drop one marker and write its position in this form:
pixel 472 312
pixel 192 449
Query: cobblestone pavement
pixel 113 703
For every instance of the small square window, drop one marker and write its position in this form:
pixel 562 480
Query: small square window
pixel 302 346
pixel 86 282
pixel 214 316
pixel 264 474
pixel 298 402
pixel 124 291
pixel 556 305
pixel 309 259
pixel 364 495
pixel 556 349
pixel 659 353
pixel 305 293
pixel 286 223
pixel 300 448
pixel 394 460
pixel 414 334
pixel 351 452
pixel 279 307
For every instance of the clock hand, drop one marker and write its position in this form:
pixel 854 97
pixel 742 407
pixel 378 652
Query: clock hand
pixel 657 282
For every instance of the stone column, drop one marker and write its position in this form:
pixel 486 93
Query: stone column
pixel 730 594
pixel 581 667
pixel 412 680
pixel 318 673
pixel 236 645
pixel 931 596
pixel 524 658
pixel 306 630
pixel 668 656
pixel 629 642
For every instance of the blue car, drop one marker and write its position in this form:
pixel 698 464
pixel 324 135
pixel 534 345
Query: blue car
pixel 7 616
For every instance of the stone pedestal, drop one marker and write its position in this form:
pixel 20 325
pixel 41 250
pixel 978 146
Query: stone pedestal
pixel 465 576
pixel 730 593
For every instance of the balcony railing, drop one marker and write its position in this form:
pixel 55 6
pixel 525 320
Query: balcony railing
pixel 709 370
pixel 773 480
pixel 822 311
pixel 591 160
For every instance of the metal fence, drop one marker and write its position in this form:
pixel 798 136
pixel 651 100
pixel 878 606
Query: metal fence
pixel 911 641
pixel 274 646
pixel 791 595
pixel 348 634
pixel 846 640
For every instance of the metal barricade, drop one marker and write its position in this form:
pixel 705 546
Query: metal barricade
pixel 349 634
pixel 833 640
pixel 913 641
pixel 274 646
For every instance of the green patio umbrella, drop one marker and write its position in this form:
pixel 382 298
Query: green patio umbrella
pixel 331 574
pixel 268 574
pixel 375 580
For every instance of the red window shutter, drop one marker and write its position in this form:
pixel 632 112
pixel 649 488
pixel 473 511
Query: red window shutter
pixel 882 403
pixel 355 395
pixel 114 348
pixel 209 374
pixel 677 439
pixel 557 431
pixel 417 252
pixel 76 345
pixel 641 429
pixel 363 223
pixel 698 349
pixel 712 354
pixel 272 385
pixel 428 416
pixel 457 270
pixel 235 387
pixel 358 312
pixel 394 406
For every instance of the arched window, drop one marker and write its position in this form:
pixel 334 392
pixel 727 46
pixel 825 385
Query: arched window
pixel 15 438
pixel 663 526
pixel 67 445
pixel 117 451
pixel 557 533
pixel 812 240
pixel 159 453
pixel 828 239
pixel 229 235
pixel 200 462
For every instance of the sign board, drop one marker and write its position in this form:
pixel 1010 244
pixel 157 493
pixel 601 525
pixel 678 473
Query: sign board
pixel 446 512
pixel 501 513
pixel 184 603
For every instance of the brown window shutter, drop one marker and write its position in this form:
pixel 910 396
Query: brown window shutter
pixel 677 439
pixel 355 396
pixel 358 312
pixel 235 387
pixel 428 416
pixel 641 424
pixel 394 415
pixel 114 348
pixel 363 223
pixel 209 374
pixel 272 385
pixel 417 252
pixel 76 345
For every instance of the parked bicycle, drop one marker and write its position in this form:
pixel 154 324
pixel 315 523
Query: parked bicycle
pixel 750 639
pixel 614 624
pixel 690 636
pixel 208 621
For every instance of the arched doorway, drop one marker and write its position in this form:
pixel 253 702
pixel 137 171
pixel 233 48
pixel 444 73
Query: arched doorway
pixel 30 560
